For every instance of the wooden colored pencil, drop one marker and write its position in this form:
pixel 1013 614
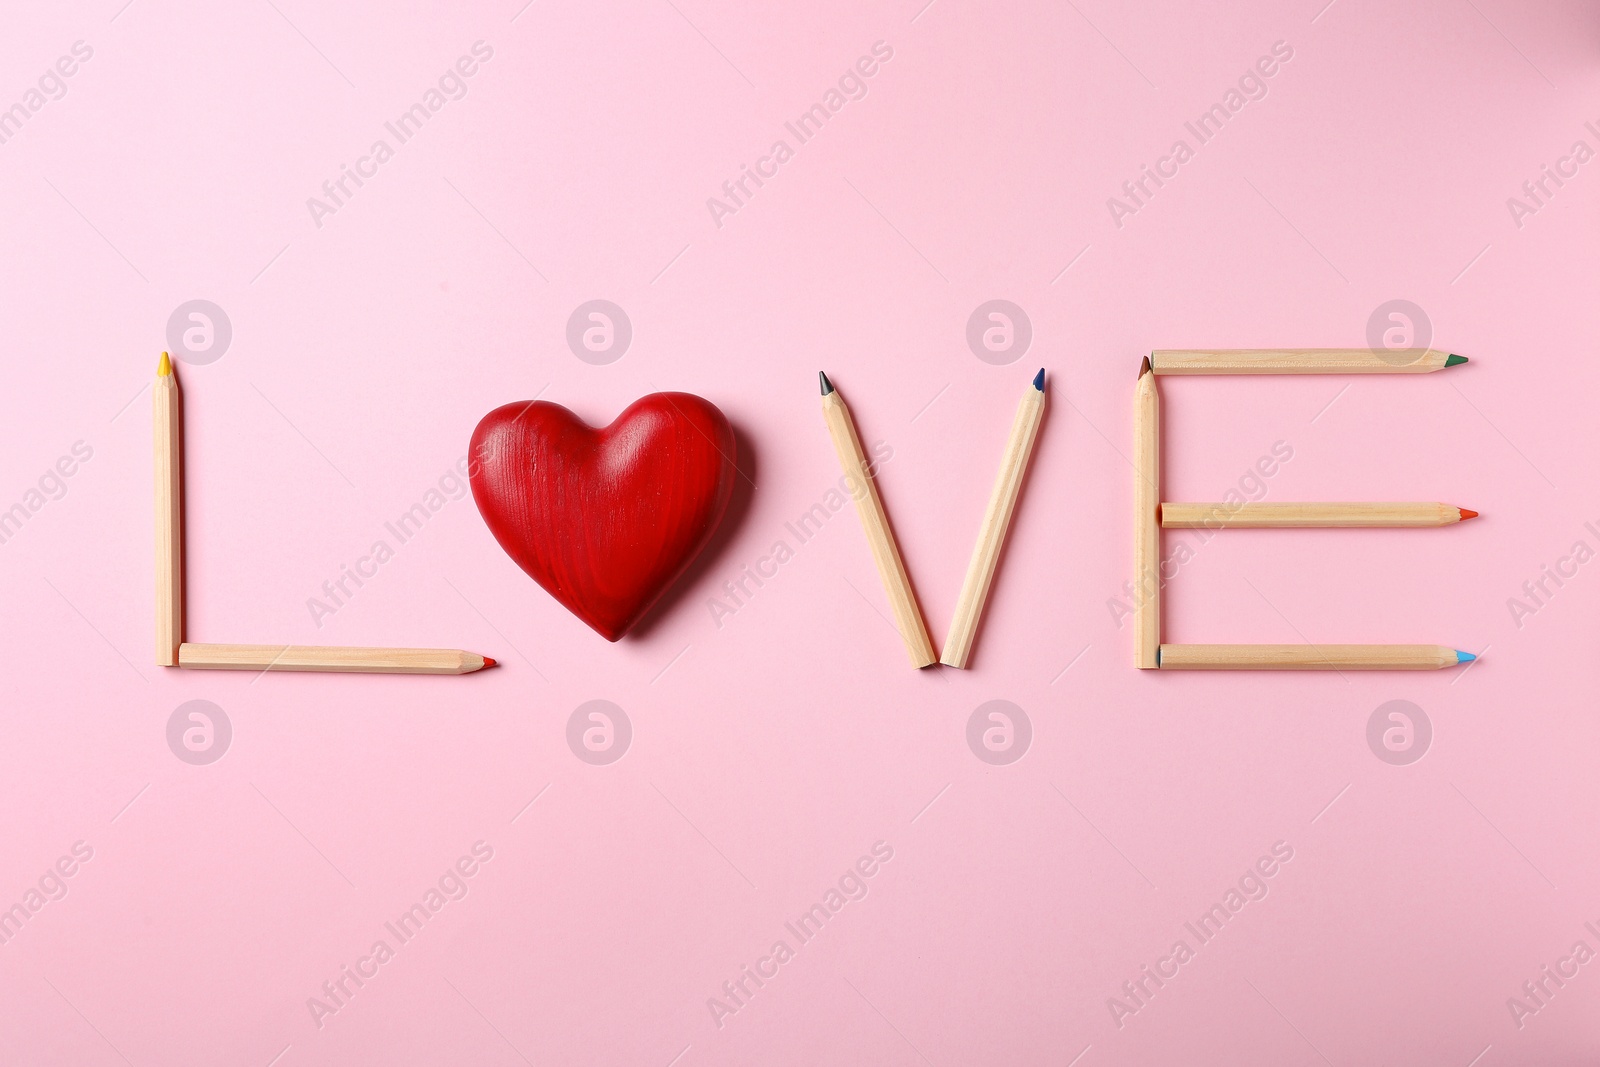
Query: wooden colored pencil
pixel 330 659
pixel 1146 521
pixel 169 513
pixel 885 552
pixel 1311 657
pixel 1219 516
pixel 1303 361
pixel 996 520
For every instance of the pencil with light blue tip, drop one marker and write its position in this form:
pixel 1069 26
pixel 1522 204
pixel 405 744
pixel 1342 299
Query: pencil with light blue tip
pixel 1310 657
pixel 996 520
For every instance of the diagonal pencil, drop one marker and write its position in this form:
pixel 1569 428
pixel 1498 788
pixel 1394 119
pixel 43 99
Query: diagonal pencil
pixel 875 521
pixel 996 520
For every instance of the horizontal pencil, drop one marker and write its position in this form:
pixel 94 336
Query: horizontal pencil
pixel 875 521
pixel 1311 657
pixel 1219 516
pixel 330 658
pixel 1302 360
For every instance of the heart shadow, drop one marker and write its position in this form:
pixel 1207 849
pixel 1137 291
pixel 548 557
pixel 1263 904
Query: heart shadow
pixel 744 487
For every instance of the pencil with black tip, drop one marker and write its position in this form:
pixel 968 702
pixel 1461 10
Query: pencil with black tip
pixel 169 513
pixel 1302 360
pixel 1146 521
pixel 1311 657
pixel 875 521
pixel 1253 515
pixel 996 521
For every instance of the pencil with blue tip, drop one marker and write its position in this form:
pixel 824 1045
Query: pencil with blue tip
pixel 1311 657
pixel 996 521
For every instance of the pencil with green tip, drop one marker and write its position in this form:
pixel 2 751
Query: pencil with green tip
pixel 1302 360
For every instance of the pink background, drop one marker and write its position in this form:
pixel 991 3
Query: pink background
pixel 772 751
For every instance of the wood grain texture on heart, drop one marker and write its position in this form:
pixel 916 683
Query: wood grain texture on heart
pixel 604 519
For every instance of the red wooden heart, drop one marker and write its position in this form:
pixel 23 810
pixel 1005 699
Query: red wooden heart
pixel 605 519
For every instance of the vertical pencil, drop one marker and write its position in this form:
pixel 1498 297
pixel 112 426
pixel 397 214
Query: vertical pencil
pixel 1147 521
pixel 996 520
pixel 169 514
pixel 885 552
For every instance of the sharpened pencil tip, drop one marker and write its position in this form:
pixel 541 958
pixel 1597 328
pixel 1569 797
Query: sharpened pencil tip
pixel 164 368
pixel 1464 657
pixel 1467 513
pixel 827 386
pixel 1454 360
pixel 1038 380
pixel 1144 368
pixel 490 662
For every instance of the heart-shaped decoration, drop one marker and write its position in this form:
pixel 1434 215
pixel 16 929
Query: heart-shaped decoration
pixel 604 519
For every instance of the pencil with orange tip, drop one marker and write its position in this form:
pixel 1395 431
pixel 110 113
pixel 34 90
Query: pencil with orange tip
pixel 169 513
pixel 996 521
pixel 875 521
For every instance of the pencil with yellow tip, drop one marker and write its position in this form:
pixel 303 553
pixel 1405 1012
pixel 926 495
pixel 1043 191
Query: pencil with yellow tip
pixel 169 513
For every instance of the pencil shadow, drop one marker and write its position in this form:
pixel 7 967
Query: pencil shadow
pixel 975 656
pixel 744 486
